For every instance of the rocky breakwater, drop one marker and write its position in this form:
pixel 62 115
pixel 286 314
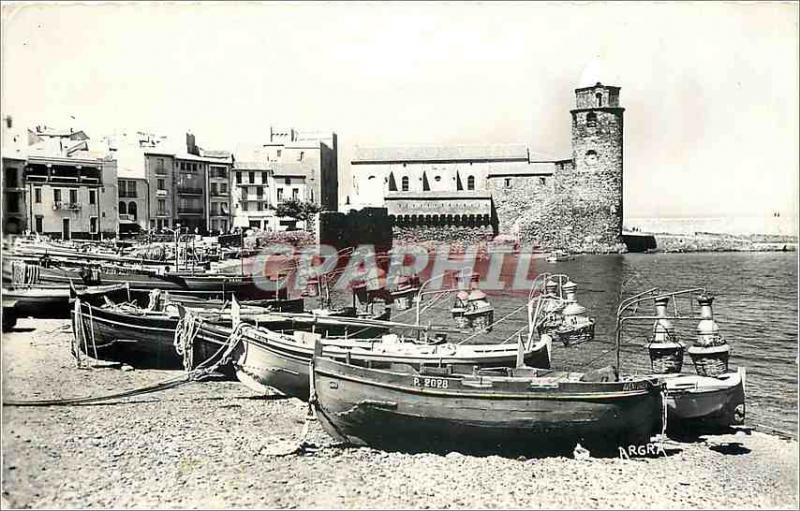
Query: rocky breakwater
pixel 218 445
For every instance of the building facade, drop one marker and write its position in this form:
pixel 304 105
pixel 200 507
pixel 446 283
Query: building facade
pixel 507 188
pixel 71 197
pixel 293 164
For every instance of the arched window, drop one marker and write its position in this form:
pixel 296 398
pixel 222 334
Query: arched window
pixel 471 183
pixel 132 210
pixel 591 119
pixel 599 97
pixel 404 183
pixel 123 209
pixel 591 157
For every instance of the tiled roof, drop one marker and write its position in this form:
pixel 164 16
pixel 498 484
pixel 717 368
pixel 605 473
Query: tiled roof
pixel 440 153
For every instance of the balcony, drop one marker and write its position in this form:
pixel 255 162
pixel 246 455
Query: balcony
pixel 60 206
pixel 186 210
pixel 187 190
pixel 161 171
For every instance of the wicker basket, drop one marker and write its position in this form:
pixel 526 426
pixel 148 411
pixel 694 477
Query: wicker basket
pixel 710 361
pixel 666 357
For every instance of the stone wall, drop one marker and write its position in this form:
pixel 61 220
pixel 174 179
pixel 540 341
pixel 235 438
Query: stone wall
pixel 442 234
pixel 522 196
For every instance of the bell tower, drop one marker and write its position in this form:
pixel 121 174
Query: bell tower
pixel 597 136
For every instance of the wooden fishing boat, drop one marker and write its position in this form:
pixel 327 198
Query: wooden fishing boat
pixel 135 336
pixel 41 301
pixel 514 410
pixel 694 400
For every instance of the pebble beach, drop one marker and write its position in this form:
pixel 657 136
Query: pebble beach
pixel 216 444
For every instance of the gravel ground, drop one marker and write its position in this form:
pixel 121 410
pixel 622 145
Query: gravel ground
pixel 216 445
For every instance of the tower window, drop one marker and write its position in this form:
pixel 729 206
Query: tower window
pixel 599 97
pixel 591 157
pixel 542 180
pixel 404 183
pixel 508 182
pixel 471 183
pixel 591 119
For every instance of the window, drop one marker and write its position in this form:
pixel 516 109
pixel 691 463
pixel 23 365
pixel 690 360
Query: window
pixel 213 187
pixel 508 182
pixel 542 180
pixel 437 178
pixel 264 178
pixel 300 156
pixel 295 193
pixel 73 196
pixel 56 195
pixel 223 188
pixel 162 207
pixel 252 176
pixel 160 165
pixel 259 206
pixel 260 191
pixel 471 183
pixel 599 97
pixel 92 196
pixel 288 181
pixel 280 194
pixel 239 178
pixel 244 206
pixel 279 153
pixel 591 157
pixel 11 178
pixel 39 222
pixel 37 195
pixel 93 224
pixel 591 119
pixel 404 183
pixel 123 209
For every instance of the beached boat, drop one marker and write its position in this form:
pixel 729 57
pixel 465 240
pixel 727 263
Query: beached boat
pixel 269 359
pixel 696 402
pixel 39 301
pixel 513 410
pixel 702 401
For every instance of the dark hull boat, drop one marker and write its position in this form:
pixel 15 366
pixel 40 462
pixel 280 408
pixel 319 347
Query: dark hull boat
pixel 268 359
pixel 39 301
pixel 399 408
pixel 136 336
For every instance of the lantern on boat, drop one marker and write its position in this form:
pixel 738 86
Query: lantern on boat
pixel 666 352
pixel 710 351
pixel 312 287
pixel 576 327
pixel 407 287
pixel 459 308
pixel 551 308
pixel 479 312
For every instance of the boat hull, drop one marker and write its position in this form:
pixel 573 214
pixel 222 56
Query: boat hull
pixel 140 340
pixel 391 411
pixel 279 363
pixel 696 401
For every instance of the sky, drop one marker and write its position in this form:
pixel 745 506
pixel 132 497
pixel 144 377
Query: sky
pixel 710 89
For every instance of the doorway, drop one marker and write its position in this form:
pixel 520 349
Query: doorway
pixel 65 234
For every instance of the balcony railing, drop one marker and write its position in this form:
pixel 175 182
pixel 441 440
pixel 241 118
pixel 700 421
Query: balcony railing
pixel 74 206
pixel 190 210
pixel 187 190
